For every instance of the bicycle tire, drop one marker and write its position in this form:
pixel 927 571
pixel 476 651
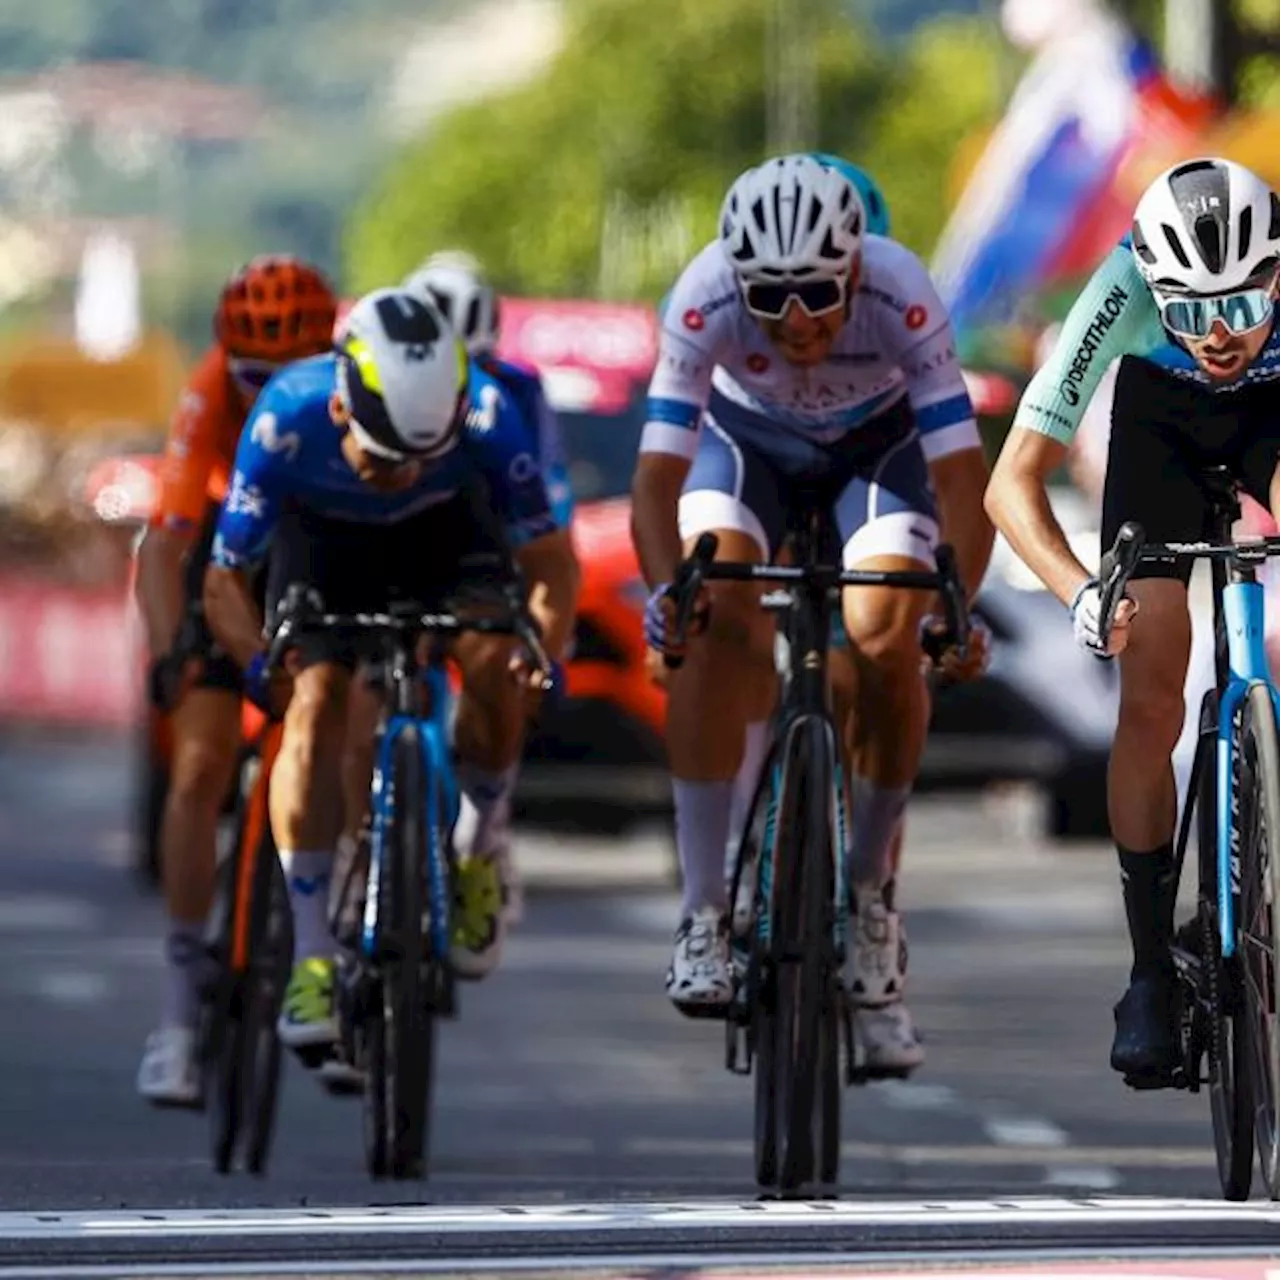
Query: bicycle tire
pixel 271 943
pixel 406 1023
pixel 220 1036
pixel 798 960
pixel 1259 817
pixel 1230 1105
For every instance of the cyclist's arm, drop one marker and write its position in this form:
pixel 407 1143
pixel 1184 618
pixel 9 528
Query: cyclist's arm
pixel 189 457
pixel 245 524
pixel 1113 317
pixel 959 481
pixel 919 334
pixel 550 567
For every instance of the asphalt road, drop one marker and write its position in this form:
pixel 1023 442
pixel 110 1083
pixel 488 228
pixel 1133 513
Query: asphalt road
pixel 568 1078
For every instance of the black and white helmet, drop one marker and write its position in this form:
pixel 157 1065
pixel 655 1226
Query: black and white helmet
pixel 402 376
pixel 792 217
pixel 1207 227
pixel 457 283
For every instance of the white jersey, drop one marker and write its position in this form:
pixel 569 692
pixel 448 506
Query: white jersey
pixel 715 359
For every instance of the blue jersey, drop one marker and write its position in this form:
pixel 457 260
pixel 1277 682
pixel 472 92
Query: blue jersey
pixel 290 458
pixel 525 386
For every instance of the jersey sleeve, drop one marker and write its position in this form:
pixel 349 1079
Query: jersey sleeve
pixel 191 451
pixel 1114 316
pixel 256 494
pixel 507 454
pixel 690 340
pixel 919 334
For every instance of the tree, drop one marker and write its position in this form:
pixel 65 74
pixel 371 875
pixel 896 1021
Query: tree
pixel 632 135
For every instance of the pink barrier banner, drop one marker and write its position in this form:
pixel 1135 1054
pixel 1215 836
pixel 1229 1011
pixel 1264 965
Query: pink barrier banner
pixel 68 656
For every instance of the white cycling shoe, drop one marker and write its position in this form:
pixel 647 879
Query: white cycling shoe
pixel 875 976
pixel 700 981
pixel 169 1075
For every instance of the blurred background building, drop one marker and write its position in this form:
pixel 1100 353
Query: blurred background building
pixel 580 148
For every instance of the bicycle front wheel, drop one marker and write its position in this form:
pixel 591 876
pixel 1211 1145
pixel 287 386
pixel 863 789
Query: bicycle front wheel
pixel 1259 932
pixel 797 1017
pixel 406 1027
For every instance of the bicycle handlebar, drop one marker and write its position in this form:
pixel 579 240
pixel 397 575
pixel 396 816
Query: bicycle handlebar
pixel 1131 549
pixel 302 611
pixel 701 566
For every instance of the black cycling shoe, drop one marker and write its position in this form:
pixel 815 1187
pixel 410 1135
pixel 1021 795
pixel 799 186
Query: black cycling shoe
pixel 1145 1049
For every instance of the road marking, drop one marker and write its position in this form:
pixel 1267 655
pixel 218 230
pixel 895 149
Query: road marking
pixel 903 1095
pixel 678 1216
pixel 961 1154
pixel 32 913
pixel 75 986
pixel 1092 1179
pixel 1029 1132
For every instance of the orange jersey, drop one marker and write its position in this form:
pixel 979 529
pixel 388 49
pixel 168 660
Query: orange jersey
pixel 201 448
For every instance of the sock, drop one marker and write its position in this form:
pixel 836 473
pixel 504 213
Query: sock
pixel 702 828
pixel 489 796
pixel 1149 898
pixel 875 812
pixel 183 950
pixel 744 788
pixel 308 873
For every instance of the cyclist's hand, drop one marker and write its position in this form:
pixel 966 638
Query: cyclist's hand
pixel 269 691
pixel 660 620
pixel 1086 618
pixel 171 679
pixel 531 679
pixel 949 664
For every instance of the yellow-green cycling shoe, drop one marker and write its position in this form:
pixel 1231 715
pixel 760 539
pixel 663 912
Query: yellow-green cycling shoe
pixel 307 1016
pixel 479 925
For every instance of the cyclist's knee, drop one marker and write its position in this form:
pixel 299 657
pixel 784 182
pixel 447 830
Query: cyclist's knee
pixel 316 717
pixel 884 625
pixel 200 772
pixel 1153 668
pixel 485 664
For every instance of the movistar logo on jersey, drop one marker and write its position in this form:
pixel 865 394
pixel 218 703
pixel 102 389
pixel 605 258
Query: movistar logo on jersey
pixel 1103 319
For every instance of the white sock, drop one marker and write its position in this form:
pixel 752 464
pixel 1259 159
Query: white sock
pixel 308 873
pixel 702 827
pixel 489 797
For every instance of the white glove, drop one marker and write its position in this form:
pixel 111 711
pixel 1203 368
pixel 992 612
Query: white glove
pixel 1086 618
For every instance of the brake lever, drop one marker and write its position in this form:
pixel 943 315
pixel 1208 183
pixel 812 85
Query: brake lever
pixel 685 591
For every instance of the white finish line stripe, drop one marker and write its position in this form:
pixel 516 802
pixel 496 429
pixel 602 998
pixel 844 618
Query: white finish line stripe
pixel 625 1217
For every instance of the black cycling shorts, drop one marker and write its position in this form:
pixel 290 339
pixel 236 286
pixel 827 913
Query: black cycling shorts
pixel 219 669
pixel 1165 433
pixel 362 568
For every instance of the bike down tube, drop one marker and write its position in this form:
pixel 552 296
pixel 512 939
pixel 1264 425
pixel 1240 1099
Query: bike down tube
pixel 1243 612
pixel 435 767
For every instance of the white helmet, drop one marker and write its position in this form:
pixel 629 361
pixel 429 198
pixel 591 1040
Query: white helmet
pixel 402 375
pixel 792 216
pixel 1206 227
pixel 457 283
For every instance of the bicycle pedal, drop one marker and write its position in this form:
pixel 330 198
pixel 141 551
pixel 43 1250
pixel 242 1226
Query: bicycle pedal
pixel 312 1056
pixel 737 1048
pixel 704 1012
pixel 1148 1083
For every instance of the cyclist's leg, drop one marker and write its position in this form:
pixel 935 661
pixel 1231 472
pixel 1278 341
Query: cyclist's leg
pixel 887 519
pixel 206 735
pixel 733 492
pixel 1151 479
pixel 342 560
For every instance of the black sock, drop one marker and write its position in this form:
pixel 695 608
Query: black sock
pixel 1149 896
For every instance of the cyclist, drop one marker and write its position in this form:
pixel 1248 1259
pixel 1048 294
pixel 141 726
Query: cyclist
pixel 457 284
pixel 409 496
pixel 1186 302
pixel 273 310
pixel 803 360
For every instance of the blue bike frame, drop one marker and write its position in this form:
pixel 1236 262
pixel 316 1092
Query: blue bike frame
pixel 433 737
pixel 1244 616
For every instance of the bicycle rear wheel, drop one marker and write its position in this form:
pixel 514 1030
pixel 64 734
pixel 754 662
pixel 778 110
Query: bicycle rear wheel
pixel 1230 1105
pixel 1259 934
pixel 795 1013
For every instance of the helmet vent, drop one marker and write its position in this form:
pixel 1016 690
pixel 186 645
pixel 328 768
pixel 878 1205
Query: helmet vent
pixel 1141 245
pixel 1246 232
pixel 1208 232
pixel 1273 231
pixel 1176 245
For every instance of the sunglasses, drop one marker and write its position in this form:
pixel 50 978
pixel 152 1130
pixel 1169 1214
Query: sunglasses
pixel 769 301
pixel 253 375
pixel 1241 312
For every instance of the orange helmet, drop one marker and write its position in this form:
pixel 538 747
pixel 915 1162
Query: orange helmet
pixel 277 308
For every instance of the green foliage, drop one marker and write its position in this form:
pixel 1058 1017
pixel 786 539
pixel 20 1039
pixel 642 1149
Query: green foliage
pixel 648 113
